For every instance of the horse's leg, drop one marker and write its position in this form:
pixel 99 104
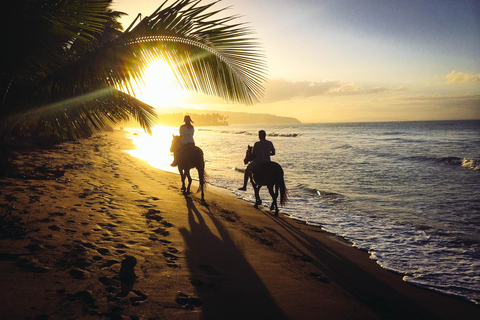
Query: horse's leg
pixel 182 177
pixel 201 182
pixel 201 179
pixel 189 181
pixel 258 201
pixel 274 197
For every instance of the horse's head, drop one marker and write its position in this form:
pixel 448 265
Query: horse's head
pixel 175 143
pixel 249 156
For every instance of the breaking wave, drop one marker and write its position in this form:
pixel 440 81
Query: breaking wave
pixel 470 164
pixel 247 133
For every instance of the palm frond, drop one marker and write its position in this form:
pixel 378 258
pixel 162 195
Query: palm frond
pixel 208 55
pixel 83 114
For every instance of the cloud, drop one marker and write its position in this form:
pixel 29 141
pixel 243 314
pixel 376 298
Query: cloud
pixel 460 77
pixel 279 89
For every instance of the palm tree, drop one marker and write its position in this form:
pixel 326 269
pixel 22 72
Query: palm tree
pixel 67 60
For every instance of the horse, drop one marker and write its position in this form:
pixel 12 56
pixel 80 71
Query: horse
pixel 189 157
pixel 268 174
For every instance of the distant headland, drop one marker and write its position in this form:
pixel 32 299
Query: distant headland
pixel 174 117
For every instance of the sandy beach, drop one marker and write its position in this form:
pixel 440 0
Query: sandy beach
pixel 89 232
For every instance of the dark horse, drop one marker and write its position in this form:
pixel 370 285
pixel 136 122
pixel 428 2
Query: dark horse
pixel 189 157
pixel 268 174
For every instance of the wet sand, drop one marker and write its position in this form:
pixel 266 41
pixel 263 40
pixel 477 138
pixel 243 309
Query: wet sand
pixel 89 232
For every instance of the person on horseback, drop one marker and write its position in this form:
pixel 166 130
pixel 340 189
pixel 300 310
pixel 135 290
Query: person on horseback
pixel 186 136
pixel 262 150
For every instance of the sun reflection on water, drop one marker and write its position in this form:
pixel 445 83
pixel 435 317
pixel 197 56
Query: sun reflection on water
pixel 154 149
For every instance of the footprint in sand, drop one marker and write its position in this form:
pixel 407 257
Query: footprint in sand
pixel 140 297
pixel 153 214
pixel 108 226
pixel 82 263
pixel 201 285
pixel 146 206
pixel 171 260
pixel 108 281
pixel 33 247
pixel 58 214
pixel 166 224
pixel 266 242
pixel 103 251
pixel 161 231
pixel 87 298
pixel 88 244
pixel 189 302
pixel 109 263
pixel 170 256
pixel 34 199
pixel 77 274
pixel 79 248
pixel 172 250
pixel 208 270
pixel 257 230
pixel 320 277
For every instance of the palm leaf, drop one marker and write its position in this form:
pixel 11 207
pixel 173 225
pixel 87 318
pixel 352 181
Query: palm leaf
pixel 207 55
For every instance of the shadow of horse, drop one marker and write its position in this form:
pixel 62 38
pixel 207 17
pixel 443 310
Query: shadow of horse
pixel 189 157
pixel 226 282
pixel 268 174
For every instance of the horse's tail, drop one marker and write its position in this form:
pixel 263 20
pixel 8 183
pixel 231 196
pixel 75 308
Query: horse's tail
pixel 202 177
pixel 202 174
pixel 283 190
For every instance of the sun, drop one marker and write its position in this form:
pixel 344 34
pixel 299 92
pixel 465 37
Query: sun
pixel 160 89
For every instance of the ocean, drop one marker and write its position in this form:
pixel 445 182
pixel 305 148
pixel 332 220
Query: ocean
pixel 406 192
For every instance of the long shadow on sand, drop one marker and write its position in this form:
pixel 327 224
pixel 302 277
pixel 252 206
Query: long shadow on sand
pixel 226 282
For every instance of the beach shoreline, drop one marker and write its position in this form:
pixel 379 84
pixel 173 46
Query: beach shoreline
pixel 87 205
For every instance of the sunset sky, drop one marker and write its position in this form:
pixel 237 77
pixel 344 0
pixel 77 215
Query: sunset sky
pixel 353 60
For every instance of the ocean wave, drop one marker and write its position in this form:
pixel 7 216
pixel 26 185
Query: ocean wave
pixel 450 160
pixel 470 164
pixel 247 133
pixel 404 140
pixel 287 135
pixel 321 193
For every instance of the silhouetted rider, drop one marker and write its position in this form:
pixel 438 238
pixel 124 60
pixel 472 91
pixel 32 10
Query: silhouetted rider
pixel 262 150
